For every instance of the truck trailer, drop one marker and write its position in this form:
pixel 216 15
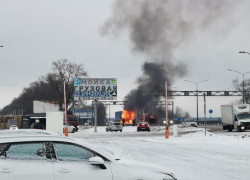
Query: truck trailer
pixel 235 117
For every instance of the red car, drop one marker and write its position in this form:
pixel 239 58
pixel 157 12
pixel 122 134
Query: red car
pixel 143 126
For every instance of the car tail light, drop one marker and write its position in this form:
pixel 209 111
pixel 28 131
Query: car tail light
pixel 148 125
pixel 138 125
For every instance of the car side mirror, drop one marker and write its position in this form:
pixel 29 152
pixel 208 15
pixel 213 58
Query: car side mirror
pixel 97 161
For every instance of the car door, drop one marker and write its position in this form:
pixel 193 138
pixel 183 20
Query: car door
pixel 25 161
pixel 72 163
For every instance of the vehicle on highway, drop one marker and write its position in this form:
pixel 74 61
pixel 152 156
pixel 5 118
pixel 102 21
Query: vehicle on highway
pixel 73 120
pixel 62 158
pixel 151 118
pixel 235 117
pixel 37 126
pixel 71 128
pixel 143 126
pixel 114 126
pixel 86 124
pixel 190 122
pixel 13 127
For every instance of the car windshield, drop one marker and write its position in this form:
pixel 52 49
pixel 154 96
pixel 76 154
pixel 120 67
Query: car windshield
pixel 190 120
pixel 72 118
pixel 243 116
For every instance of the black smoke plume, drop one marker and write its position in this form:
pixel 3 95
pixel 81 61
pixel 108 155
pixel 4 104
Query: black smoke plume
pixel 157 27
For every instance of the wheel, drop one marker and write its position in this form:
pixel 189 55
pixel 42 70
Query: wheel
pixel 120 130
pixel 74 130
pixel 63 130
pixel 106 130
pixel 138 130
pixel 148 130
pixel 230 129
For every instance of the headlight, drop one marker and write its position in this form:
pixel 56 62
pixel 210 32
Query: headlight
pixel 77 127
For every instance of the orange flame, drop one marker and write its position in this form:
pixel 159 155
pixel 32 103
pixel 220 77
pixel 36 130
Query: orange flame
pixel 128 116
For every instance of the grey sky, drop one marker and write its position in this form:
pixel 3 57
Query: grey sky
pixel 35 33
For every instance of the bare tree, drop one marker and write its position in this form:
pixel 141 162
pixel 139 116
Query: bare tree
pixel 239 87
pixel 49 88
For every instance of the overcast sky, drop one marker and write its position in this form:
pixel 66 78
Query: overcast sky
pixel 35 33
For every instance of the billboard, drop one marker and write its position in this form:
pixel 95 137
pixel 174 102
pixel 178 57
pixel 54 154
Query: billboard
pixel 92 88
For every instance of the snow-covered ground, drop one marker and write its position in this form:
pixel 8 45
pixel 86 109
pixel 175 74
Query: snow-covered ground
pixel 126 129
pixel 191 156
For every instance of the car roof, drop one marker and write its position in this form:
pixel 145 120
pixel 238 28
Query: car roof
pixel 25 132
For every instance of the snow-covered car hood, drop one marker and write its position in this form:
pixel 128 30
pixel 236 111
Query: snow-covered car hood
pixel 145 166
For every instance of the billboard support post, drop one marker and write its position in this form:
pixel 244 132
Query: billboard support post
pixel 95 115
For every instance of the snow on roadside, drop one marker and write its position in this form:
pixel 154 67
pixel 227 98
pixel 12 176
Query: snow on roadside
pixel 134 129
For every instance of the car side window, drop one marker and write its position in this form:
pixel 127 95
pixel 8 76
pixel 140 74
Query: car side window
pixel 70 152
pixel 27 151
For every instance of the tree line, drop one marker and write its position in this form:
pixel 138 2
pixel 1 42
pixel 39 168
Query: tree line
pixel 50 88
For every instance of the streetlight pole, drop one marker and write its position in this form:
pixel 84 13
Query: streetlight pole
pixel 243 74
pixel 197 96
pixel 243 52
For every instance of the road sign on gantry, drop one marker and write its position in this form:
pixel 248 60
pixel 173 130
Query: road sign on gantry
pixel 95 88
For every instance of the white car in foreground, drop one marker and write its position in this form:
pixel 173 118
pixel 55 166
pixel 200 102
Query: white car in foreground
pixel 52 157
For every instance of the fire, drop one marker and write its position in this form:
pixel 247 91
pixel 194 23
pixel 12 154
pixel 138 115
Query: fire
pixel 128 116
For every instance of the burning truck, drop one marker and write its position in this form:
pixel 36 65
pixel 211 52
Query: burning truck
pixel 129 116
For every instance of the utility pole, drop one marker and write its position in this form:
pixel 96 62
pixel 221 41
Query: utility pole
pixel 137 106
pixel 205 114
pixel 197 95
